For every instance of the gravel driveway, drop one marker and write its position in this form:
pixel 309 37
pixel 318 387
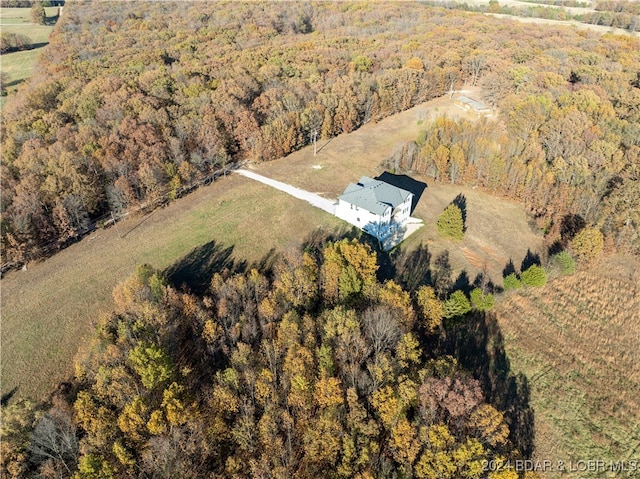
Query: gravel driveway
pixel 315 200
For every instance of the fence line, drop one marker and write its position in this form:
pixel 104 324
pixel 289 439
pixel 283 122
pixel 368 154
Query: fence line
pixel 108 219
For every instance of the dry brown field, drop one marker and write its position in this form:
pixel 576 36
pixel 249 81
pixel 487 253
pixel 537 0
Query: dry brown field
pixel 577 341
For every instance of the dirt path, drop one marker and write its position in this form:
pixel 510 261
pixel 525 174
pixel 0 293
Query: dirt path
pixel 315 200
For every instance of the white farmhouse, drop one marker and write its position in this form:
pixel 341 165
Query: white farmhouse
pixel 376 207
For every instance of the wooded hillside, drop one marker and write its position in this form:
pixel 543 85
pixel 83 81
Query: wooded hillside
pixel 319 370
pixel 135 103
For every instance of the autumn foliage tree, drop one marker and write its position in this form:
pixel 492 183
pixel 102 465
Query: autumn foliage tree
pixel 262 376
pixel 588 243
pixel 38 13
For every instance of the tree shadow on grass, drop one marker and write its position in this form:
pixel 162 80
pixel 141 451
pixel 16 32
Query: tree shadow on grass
pixel 412 268
pixel 570 226
pixel 529 260
pixel 461 202
pixel 316 241
pixel 441 275
pixel 478 344
pixel 7 396
pixel 462 283
pixel 194 271
pixel 509 268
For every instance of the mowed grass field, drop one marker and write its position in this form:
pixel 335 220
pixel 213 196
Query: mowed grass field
pixel 51 308
pixel 578 343
pixel 19 66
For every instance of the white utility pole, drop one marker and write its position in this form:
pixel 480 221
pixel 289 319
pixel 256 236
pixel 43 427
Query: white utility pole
pixel 315 135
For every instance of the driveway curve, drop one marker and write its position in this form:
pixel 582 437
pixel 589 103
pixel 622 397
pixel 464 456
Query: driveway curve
pixel 315 200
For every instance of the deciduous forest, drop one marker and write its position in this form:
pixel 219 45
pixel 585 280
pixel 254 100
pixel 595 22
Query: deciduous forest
pixel 316 370
pixel 136 104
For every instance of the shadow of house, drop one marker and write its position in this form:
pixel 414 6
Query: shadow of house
pixel 406 183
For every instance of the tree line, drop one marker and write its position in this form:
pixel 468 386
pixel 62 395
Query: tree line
pixel 315 369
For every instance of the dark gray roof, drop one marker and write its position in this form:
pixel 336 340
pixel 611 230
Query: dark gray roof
pixel 374 195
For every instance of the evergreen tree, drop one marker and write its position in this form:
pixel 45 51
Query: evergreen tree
pixel 535 275
pixel 456 305
pixel 481 301
pixel 511 281
pixel 450 223
pixel 565 262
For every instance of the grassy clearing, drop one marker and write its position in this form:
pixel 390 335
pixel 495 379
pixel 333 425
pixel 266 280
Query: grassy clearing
pixel 497 230
pixel 22 15
pixel 48 310
pixel 577 342
pixel 20 65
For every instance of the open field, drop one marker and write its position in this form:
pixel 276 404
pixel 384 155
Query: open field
pixel 19 65
pixel 602 29
pixel 22 15
pixel 48 310
pixel 497 230
pixel 577 342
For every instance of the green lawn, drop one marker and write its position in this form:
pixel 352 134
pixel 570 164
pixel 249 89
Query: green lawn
pixel 50 309
pixel 19 66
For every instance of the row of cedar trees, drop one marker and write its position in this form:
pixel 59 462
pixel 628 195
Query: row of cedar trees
pixel 319 371
pixel 136 102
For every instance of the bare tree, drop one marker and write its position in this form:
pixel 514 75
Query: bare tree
pixel 381 328
pixel 54 439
